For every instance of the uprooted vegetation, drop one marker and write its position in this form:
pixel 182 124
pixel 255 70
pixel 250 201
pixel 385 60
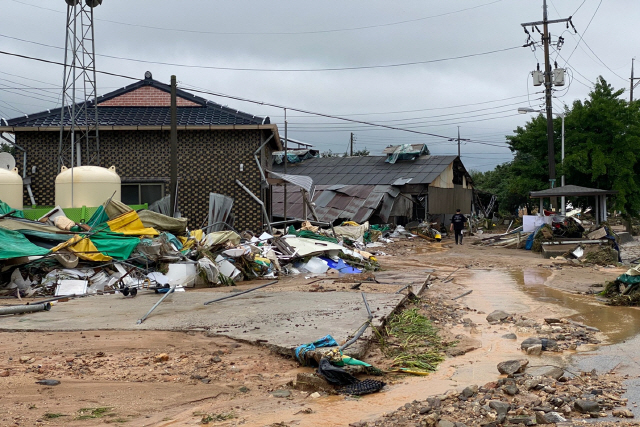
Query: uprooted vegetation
pixel 620 294
pixel 412 342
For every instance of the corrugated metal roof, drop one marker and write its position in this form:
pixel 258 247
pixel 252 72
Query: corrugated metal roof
pixel 369 170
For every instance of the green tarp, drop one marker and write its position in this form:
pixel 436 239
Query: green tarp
pixel 15 245
pixel 115 245
pixel 5 209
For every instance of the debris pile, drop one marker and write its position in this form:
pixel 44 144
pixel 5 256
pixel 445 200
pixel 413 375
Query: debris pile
pixel 530 396
pixel 122 250
pixel 562 238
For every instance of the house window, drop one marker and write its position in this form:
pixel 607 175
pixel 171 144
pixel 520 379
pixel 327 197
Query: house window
pixel 138 194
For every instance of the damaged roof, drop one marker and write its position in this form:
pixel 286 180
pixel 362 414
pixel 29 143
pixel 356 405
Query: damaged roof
pixel 370 170
pixel 355 202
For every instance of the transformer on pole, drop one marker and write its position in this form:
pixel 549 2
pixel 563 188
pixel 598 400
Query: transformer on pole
pixel 79 141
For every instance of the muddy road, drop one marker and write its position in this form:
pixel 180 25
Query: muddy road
pixel 166 378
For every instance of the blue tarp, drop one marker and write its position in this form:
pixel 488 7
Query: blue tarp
pixel 326 341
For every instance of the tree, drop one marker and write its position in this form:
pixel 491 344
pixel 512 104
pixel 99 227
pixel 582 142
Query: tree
pixel 602 142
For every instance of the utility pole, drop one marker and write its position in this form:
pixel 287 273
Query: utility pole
pixel 173 186
pixel 286 160
pixel 633 85
pixel 459 139
pixel 351 144
pixel 546 40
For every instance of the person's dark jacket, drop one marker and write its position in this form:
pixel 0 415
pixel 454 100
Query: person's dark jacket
pixel 458 221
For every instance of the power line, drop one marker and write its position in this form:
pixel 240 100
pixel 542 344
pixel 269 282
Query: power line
pixel 583 33
pixel 281 70
pixel 237 98
pixel 335 30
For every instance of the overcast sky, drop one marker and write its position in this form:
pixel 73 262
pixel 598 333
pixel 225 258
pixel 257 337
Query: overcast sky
pixel 344 58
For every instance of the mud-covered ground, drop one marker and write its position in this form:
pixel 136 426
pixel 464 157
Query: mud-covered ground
pixel 193 378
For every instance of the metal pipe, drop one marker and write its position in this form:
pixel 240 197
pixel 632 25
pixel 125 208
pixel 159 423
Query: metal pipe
pixel 18 309
pixel 255 156
pixel 264 210
pixel 240 293
pixel 171 290
pixel 363 328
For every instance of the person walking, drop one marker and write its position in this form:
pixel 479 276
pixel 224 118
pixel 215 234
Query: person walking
pixel 457 225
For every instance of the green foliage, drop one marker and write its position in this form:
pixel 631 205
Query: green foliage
pixel 602 142
pixel 413 342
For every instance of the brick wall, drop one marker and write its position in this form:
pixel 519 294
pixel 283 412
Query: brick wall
pixel 208 161
pixel 146 96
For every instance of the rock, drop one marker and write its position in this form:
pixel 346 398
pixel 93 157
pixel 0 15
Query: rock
pixel 510 336
pixel 511 389
pixel 26 359
pixel 530 342
pixel 445 423
pixel 4 374
pixel 549 345
pixel 424 410
pixel 540 418
pixel 586 406
pixel 549 418
pixel 314 395
pixel 545 371
pixel 308 381
pixel 464 345
pixel 470 391
pixel 622 413
pixel 497 316
pixel 522 419
pixel 499 407
pixel 460 425
pixel 534 350
pixel 532 383
pixel 163 357
pixel 430 420
pixel 287 393
pixel 552 320
pixel 48 382
pixel 511 367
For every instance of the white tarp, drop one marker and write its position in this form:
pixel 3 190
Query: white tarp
pixel 531 222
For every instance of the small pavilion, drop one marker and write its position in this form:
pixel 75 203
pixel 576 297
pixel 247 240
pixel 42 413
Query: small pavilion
pixel 577 191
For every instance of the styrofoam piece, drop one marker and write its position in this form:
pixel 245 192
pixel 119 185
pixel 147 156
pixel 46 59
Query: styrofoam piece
pixel 237 252
pixel 265 236
pixel 181 274
pixel 158 277
pixel 71 287
pixel 578 252
pixel 315 265
pixel 227 269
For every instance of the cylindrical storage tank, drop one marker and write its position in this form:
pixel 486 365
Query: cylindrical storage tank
pixel 88 186
pixel 11 188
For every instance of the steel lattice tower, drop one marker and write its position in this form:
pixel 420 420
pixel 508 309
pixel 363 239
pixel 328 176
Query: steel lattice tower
pixel 79 141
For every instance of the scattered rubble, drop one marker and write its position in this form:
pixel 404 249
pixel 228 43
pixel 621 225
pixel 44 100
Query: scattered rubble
pixel 517 399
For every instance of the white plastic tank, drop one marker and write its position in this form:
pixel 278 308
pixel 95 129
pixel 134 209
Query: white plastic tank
pixel 11 188
pixel 88 186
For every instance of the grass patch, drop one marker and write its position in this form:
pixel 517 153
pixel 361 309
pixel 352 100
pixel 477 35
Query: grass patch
pixel 412 341
pixel 89 413
pixel 208 418
pixel 52 416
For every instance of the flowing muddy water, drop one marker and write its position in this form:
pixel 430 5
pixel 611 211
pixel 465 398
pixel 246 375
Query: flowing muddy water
pixel 523 292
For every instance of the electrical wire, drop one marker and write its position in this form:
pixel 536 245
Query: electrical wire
pixel 261 33
pixel 583 33
pixel 281 70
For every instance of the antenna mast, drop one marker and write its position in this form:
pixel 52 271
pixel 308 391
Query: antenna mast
pixel 79 142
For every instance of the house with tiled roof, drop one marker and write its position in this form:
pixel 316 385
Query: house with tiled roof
pixel 217 145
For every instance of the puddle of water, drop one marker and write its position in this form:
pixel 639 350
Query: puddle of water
pixel 617 324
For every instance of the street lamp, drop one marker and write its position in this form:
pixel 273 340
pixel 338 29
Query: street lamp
pixel 525 110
